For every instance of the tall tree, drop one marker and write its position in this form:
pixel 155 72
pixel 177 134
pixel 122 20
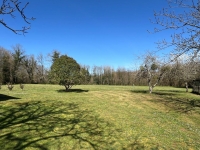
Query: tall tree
pixel 1 63
pixel 96 75
pixel 85 74
pixel 55 55
pixel 41 71
pixel 7 67
pixel 107 76
pixel 65 71
pixel 18 58
pixel 30 65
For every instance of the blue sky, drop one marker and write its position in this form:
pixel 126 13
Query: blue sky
pixel 93 32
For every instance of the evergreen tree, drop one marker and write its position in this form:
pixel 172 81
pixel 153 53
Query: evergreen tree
pixel 65 71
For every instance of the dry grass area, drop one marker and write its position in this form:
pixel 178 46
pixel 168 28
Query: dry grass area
pixel 98 117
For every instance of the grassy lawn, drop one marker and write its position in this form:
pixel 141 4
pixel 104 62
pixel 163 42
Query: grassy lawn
pixel 98 117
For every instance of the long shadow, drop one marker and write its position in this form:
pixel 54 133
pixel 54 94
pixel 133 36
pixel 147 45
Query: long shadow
pixel 72 90
pixel 180 105
pixel 6 97
pixel 45 125
pixel 177 104
pixel 53 125
pixel 140 91
pixel 174 103
pixel 166 90
pixel 159 92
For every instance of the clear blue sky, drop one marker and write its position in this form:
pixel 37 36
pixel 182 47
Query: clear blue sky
pixel 93 32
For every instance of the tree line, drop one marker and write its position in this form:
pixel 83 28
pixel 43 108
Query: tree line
pixel 16 67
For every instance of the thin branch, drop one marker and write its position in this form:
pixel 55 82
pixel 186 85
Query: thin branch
pixel 186 26
pixel 9 7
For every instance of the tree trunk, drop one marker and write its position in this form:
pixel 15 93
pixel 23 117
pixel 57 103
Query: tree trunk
pixel 66 87
pixel 150 89
pixel 186 86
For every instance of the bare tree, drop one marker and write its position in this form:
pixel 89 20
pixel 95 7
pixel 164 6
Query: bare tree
pixel 152 70
pixel 183 18
pixel 30 64
pixel 187 70
pixel 21 86
pixel 40 69
pixel 10 86
pixel 12 8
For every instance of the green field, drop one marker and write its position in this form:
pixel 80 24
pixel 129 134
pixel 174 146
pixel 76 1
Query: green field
pixel 98 117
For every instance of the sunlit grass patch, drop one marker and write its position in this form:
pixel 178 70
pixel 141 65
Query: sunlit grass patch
pixel 98 117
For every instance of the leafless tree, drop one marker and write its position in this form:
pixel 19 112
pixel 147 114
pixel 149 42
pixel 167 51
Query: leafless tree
pixel 183 18
pixel 30 64
pixel 40 69
pixel 12 8
pixel 187 69
pixel 10 86
pixel 21 86
pixel 107 75
pixel 152 70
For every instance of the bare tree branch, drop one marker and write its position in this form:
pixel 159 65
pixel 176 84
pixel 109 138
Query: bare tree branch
pixel 182 17
pixel 10 8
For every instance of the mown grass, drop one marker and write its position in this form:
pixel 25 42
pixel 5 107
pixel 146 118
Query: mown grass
pixel 98 117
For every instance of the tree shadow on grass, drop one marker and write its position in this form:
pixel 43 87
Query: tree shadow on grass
pixel 168 92
pixel 159 92
pixel 6 97
pixel 53 125
pixel 174 103
pixel 140 91
pixel 138 145
pixel 164 93
pixel 180 105
pixel 72 90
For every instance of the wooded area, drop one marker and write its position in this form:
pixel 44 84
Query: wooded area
pixel 17 67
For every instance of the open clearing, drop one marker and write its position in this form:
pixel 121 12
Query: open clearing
pixel 98 117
